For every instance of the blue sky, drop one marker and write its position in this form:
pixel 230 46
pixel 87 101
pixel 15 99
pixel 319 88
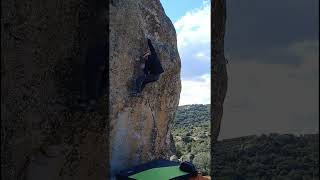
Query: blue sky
pixel 175 9
pixel 191 19
pixel 273 73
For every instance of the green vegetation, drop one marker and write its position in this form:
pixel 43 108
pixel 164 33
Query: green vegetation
pixel 191 132
pixel 265 157
pixel 273 156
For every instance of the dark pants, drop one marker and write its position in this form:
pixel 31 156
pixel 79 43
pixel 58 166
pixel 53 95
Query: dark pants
pixel 144 79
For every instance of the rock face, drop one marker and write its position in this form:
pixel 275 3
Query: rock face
pixel 140 126
pixel 219 67
pixel 43 51
pixel 219 72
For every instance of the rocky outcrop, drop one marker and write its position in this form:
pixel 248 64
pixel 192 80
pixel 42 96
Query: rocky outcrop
pixel 219 67
pixel 140 126
pixel 219 72
pixel 43 47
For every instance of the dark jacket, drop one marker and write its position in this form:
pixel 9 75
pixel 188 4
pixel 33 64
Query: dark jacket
pixel 153 65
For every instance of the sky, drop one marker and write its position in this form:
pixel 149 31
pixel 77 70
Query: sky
pixel 272 48
pixel 191 19
pixel 273 71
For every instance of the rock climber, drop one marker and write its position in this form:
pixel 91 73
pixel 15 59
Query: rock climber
pixel 152 70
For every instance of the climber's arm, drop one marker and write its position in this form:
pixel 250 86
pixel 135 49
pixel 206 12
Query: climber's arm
pixel 145 56
pixel 147 67
pixel 152 50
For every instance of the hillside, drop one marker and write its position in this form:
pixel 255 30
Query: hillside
pixel 187 116
pixel 191 133
pixel 273 156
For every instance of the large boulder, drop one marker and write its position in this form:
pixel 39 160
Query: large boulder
pixel 140 126
pixel 43 49
pixel 219 67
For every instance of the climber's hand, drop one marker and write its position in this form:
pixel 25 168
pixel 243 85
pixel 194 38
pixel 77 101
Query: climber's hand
pixel 146 54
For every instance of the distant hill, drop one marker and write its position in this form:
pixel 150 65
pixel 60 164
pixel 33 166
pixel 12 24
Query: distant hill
pixel 191 133
pixel 190 115
pixel 273 156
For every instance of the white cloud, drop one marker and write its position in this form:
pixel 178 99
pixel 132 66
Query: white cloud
pixel 202 56
pixel 193 36
pixel 196 91
pixel 194 28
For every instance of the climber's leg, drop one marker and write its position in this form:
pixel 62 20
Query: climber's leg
pixel 139 83
pixel 150 78
pixel 142 81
